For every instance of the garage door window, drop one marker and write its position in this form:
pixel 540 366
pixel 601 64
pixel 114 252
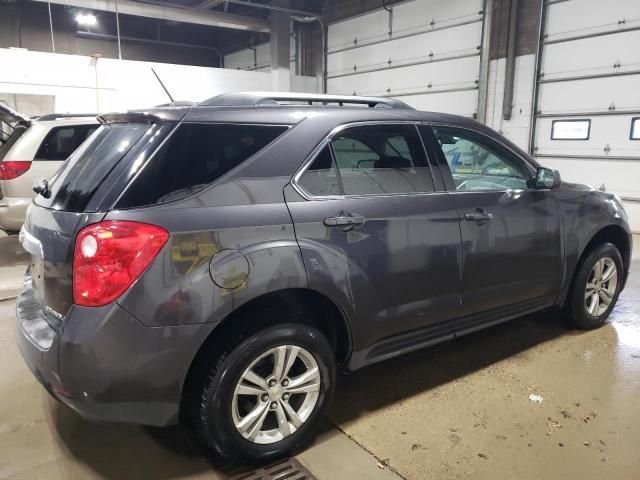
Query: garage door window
pixel 635 129
pixel 570 129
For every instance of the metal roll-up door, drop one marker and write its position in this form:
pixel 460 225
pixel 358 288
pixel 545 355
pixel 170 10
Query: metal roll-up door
pixel 588 95
pixel 426 52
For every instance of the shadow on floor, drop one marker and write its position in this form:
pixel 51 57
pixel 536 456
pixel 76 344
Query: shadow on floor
pixel 385 383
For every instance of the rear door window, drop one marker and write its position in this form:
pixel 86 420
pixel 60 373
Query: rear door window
pixel 193 157
pixel 382 159
pixel 61 142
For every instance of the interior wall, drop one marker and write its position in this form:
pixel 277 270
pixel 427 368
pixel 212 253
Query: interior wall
pixel 85 84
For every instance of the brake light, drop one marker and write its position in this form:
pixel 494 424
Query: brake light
pixel 109 256
pixel 10 169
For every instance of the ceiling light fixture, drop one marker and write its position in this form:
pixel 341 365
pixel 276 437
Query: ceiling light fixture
pixel 86 19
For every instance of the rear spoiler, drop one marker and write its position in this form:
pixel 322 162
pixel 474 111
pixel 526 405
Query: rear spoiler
pixel 169 114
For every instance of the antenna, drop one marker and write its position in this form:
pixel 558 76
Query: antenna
pixel 162 85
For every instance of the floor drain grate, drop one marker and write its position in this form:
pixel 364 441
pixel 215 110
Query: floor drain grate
pixel 289 469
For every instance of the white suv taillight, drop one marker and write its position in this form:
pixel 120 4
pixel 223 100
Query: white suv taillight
pixel 109 256
pixel 10 169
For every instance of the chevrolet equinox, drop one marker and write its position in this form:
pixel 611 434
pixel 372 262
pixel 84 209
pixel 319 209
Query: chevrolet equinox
pixel 213 264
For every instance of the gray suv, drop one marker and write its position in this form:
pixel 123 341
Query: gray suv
pixel 214 263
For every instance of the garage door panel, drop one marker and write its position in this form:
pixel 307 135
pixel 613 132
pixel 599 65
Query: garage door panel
pixel 579 17
pixel 458 103
pixel 461 73
pixel 366 28
pixel 590 95
pixel 442 43
pixel 591 172
pixel 592 55
pixel 611 131
pixel 419 14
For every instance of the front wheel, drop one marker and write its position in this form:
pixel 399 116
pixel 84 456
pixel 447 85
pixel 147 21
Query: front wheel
pixel 596 287
pixel 264 398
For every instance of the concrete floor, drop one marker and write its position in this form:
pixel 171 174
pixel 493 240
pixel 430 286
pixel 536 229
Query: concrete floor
pixel 457 410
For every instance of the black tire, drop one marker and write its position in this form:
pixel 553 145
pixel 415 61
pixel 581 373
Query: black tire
pixel 576 307
pixel 213 419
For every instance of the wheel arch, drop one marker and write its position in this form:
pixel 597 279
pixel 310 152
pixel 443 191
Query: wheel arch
pixel 326 316
pixel 614 234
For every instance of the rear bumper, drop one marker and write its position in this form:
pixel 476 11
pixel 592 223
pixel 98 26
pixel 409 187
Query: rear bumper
pixel 12 212
pixel 105 364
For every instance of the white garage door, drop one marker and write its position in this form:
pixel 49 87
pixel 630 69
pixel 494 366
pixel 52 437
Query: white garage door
pixel 588 100
pixel 425 52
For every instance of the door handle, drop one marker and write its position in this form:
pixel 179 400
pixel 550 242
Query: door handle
pixel 478 216
pixel 344 220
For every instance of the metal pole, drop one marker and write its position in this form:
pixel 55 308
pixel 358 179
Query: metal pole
pixel 53 44
pixel 507 98
pixel 536 74
pixel 118 32
pixel 483 79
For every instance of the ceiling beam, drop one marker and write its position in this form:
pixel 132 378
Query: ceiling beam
pixel 211 3
pixel 171 13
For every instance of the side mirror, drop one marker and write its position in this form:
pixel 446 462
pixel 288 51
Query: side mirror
pixel 546 178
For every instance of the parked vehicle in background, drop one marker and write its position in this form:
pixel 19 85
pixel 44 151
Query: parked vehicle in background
pixel 31 149
pixel 215 263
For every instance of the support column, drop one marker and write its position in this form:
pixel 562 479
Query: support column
pixel 280 50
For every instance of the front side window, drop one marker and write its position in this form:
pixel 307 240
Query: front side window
pixel 478 164
pixel 61 142
pixel 193 157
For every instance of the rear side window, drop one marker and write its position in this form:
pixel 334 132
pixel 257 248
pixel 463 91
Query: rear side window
pixel 80 176
pixel 193 157
pixel 61 142
pixel 321 177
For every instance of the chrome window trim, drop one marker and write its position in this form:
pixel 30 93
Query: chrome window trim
pixel 327 140
pixel 532 168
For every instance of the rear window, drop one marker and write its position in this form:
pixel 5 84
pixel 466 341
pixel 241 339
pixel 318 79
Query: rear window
pixel 193 157
pixel 61 142
pixel 80 176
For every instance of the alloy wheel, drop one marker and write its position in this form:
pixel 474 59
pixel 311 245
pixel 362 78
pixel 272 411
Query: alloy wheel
pixel 601 286
pixel 276 394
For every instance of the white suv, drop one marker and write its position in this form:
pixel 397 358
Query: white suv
pixel 31 149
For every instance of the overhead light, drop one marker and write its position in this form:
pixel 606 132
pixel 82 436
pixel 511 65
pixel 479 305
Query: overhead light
pixel 86 19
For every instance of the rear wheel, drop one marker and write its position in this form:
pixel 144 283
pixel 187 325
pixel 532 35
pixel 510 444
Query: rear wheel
pixel 264 398
pixel 596 287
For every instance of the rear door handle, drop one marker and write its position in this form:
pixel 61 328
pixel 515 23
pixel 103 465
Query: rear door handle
pixel 344 220
pixel 478 216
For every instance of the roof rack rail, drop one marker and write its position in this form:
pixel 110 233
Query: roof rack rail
pixel 257 99
pixel 56 116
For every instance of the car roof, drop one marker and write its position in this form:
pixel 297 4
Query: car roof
pixel 283 107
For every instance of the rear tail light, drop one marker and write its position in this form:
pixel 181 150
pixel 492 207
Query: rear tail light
pixel 109 256
pixel 10 169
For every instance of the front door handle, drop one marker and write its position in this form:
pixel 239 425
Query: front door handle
pixel 344 220
pixel 478 216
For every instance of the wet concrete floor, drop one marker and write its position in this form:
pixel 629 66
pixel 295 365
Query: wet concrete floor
pixel 457 410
